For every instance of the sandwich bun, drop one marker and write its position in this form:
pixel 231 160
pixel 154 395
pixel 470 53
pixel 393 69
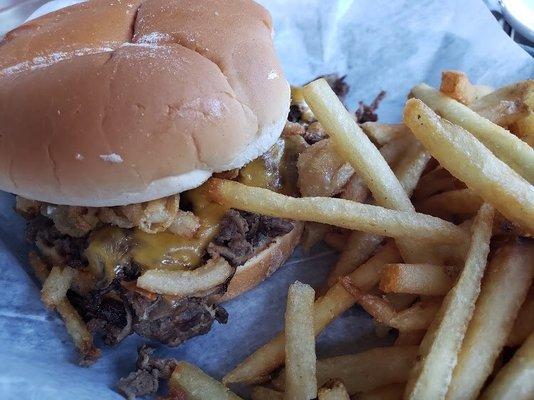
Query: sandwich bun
pixel 111 102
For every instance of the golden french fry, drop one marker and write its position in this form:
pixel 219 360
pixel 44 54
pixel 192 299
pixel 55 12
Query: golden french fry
pixel 388 392
pixel 508 147
pixel 524 128
pixel 466 158
pixel 455 202
pixel 327 308
pixel 334 390
pixel 56 285
pixel 263 393
pixel 504 288
pixel 196 385
pixel 417 317
pixel 360 245
pixel 422 279
pixel 301 380
pixel 358 248
pixel 365 371
pixel 338 212
pixel 456 85
pixel 506 105
pixel 82 338
pixel 524 323
pixel 354 146
pixel 438 352
pixel 186 282
pixel 516 379
pixel 382 134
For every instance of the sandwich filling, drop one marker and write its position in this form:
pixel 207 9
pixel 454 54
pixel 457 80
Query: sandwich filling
pixel 112 248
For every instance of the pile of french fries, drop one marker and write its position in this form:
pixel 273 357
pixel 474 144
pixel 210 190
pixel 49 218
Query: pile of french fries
pixel 442 255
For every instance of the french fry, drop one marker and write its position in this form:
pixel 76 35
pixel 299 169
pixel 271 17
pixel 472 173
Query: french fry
pixel 466 158
pixel 455 202
pixel 506 105
pixel 382 134
pixel 327 308
pixel 263 393
pixel 439 349
pixel 365 371
pixel 56 285
pixel 524 128
pixel 82 338
pixel 516 379
pixel 388 392
pixel 506 146
pixel 187 282
pixel 334 390
pixel 504 288
pixel 417 317
pixel 301 380
pixel 338 212
pixel 422 279
pixel 456 85
pixel 358 248
pixel 409 338
pixel 524 323
pixel 354 146
pixel 196 385
pixel 360 245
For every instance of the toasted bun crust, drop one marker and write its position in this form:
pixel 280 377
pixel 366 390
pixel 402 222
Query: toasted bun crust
pixel 113 102
pixel 263 264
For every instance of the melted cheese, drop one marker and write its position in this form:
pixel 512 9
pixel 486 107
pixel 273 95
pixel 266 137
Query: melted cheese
pixel 166 250
pixel 110 246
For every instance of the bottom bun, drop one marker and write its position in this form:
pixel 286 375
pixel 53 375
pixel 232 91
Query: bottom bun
pixel 263 264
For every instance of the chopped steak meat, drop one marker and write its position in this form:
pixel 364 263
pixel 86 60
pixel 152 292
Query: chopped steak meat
pixel 173 321
pixel 242 234
pixel 145 380
pixel 60 247
pixel 367 113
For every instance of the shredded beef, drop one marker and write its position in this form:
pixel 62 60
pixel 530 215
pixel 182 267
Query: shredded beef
pixel 367 113
pixel 70 249
pixel 173 321
pixel 242 234
pixel 145 380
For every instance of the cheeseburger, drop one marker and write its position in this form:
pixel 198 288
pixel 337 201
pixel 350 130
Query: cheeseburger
pixel 113 114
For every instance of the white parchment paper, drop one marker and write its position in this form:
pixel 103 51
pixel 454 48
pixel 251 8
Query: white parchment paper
pixel 388 45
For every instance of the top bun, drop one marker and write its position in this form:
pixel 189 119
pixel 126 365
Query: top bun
pixel 113 102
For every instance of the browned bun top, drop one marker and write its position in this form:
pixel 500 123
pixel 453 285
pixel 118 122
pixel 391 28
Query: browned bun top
pixel 114 102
